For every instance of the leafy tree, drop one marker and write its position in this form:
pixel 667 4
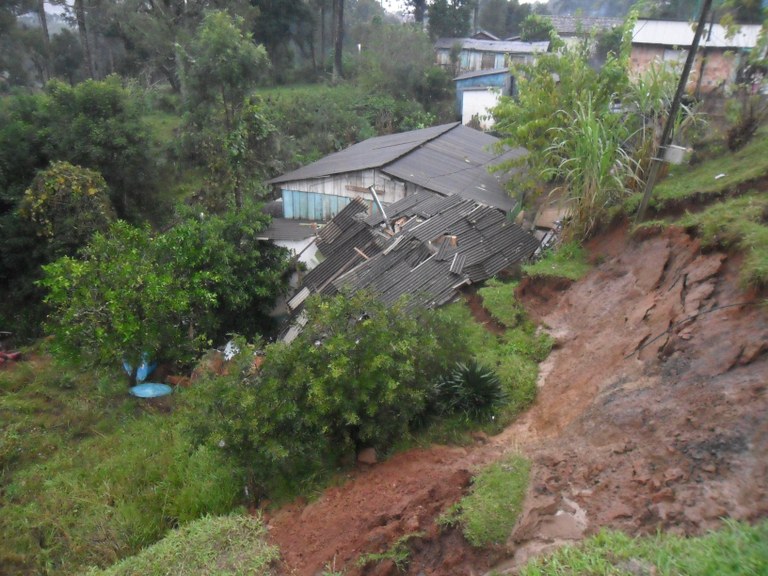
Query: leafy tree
pixel 66 56
pixel 550 87
pixel 130 292
pixel 221 65
pixel 536 27
pixel 564 117
pixel 502 17
pixel 396 60
pixel 450 18
pixel 98 125
pixel 281 25
pixel 358 375
pixel 66 204
pixel 419 8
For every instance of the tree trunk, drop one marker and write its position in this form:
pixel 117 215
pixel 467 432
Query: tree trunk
pixel 419 9
pixel 338 39
pixel 46 39
pixel 81 28
pixel 322 36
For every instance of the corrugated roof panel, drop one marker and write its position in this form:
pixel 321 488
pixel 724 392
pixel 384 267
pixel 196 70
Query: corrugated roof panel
pixel 457 265
pixel 680 34
pixel 497 46
pixel 371 153
pixel 458 163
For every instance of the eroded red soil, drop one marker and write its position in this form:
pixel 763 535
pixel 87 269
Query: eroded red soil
pixel 651 414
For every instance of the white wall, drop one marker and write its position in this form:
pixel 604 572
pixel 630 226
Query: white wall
pixel 479 102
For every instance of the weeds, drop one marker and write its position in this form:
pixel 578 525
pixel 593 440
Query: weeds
pixel 568 261
pixel 399 553
pixel 232 545
pixel 736 549
pixel 488 514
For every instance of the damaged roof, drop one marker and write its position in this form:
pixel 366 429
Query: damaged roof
pixel 447 159
pixel 427 248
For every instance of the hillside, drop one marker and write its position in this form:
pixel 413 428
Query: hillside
pixel 628 431
pixel 650 417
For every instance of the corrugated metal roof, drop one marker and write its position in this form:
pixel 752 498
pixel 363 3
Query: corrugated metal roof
pixel 409 264
pixel 284 229
pixel 480 73
pixel 447 159
pixel 680 34
pixel 458 163
pixel 569 25
pixel 371 153
pixel 498 46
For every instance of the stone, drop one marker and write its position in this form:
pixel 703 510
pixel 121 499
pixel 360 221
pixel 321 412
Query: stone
pixel 367 456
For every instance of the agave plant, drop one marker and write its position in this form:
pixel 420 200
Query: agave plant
pixel 470 389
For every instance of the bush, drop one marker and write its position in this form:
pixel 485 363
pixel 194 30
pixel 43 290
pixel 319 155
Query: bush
pixel 358 375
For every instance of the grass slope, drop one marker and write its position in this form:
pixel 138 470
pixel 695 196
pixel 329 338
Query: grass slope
pixel 735 550
pixel 231 545
pixel 89 475
pixel 714 177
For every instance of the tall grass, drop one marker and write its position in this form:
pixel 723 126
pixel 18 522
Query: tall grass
pixel 594 168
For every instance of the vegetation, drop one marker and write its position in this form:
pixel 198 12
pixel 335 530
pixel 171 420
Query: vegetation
pixel 357 375
pixel 233 545
pixel 568 260
pixel 710 179
pixel 88 476
pixel 130 292
pixel 736 549
pixel 738 223
pixel 399 553
pixel 512 356
pixel 488 514
pixel 471 390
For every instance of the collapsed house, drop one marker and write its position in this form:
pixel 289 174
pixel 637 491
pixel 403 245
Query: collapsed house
pixel 425 248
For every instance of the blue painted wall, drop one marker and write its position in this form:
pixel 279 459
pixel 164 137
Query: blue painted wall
pixel 298 205
pixel 500 80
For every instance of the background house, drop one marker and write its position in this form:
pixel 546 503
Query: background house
pixel 478 92
pixel 473 54
pixel 573 29
pixel 717 61
pixel 443 160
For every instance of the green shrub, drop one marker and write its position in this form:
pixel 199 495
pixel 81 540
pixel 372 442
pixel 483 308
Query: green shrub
pixel 357 375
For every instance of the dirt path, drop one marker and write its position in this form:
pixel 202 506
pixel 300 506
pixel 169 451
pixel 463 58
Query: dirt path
pixel 672 435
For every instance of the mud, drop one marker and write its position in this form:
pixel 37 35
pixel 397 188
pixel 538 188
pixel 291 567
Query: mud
pixel 650 415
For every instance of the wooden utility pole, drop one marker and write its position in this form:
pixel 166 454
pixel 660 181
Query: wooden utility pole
pixel 666 134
